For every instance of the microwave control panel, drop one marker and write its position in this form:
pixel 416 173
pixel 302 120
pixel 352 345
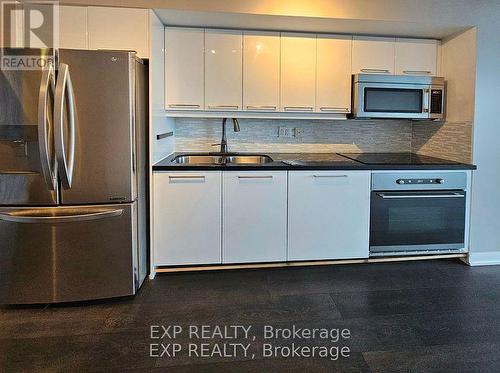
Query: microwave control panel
pixel 436 101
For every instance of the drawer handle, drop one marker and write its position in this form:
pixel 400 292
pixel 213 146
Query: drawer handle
pixel 378 71
pixel 187 177
pixel 413 72
pixel 255 177
pixel 263 107
pixel 329 176
pixel 186 106
pixel 230 107
pixel 326 108
pixel 298 108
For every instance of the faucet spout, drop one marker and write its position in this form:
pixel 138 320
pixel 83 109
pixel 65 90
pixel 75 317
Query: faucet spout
pixel 223 142
pixel 236 125
pixel 224 148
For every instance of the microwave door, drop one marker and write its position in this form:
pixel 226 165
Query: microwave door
pixel 27 167
pixel 389 100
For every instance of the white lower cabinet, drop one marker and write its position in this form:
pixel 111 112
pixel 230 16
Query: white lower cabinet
pixel 214 217
pixel 187 218
pixel 254 216
pixel 328 215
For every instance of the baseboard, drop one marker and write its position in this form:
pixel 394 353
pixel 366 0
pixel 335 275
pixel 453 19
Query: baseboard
pixel 489 258
pixel 214 267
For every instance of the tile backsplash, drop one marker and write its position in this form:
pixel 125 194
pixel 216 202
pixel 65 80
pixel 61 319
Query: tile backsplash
pixel 450 140
pixel 319 136
pixel 445 140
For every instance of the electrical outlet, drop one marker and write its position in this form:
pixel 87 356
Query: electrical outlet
pixel 285 132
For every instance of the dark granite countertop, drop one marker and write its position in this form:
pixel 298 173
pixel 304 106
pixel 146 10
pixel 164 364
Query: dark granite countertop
pixel 324 161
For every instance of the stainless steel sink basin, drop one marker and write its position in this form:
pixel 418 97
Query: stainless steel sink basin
pixel 215 159
pixel 199 159
pixel 249 159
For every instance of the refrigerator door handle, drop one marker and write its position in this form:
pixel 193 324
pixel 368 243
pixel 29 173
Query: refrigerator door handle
pixel 45 127
pixel 64 92
pixel 31 216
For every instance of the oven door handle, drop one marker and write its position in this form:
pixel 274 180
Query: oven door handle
pixel 401 196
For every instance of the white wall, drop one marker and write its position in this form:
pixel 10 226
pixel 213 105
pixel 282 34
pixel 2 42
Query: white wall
pixel 485 219
pixel 459 69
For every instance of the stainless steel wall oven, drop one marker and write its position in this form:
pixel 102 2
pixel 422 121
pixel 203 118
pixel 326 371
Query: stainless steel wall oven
pixel 418 213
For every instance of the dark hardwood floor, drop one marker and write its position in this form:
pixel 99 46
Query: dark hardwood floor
pixel 428 316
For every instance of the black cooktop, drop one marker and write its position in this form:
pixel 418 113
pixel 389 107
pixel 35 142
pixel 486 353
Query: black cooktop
pixel 396 159
pixel 320 160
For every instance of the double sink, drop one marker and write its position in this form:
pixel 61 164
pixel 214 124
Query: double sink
pixel 221 158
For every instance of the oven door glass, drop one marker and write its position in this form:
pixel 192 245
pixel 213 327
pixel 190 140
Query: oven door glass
pixel 423 220
pixel 393 100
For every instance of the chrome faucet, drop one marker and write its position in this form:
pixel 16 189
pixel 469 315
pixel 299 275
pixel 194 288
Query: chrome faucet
pixel 223 143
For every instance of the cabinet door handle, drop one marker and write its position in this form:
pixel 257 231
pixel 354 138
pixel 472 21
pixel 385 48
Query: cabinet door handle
pixel 329 176
pixel 262 107
pixel 185 106
pixel 337 109
pixel 378 71
pixel 227 107
pixel 255 177
pixel 416 72
pixel 298 108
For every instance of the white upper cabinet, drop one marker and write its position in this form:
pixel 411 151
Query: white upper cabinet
pixel 333 74
pixel 416 56
pixel 184 68
pixel 328 214
pixel 254 216
pixel 223 70
pixel 372 55
pixel 298 72
pixel 119 29
pixel 261 71
pixel 73 27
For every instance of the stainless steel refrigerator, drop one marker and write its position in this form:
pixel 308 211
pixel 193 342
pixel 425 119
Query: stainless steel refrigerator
pixel 73 178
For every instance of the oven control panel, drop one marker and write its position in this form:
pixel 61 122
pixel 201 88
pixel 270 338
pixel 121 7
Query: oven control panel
pixel 420 181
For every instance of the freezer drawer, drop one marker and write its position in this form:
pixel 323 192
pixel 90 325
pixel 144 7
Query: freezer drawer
pixel 61 254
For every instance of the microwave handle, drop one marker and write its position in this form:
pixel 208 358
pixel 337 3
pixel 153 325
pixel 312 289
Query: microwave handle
pixel 426 97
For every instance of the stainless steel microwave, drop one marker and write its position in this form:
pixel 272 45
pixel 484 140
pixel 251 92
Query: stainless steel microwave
pixel 397 96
